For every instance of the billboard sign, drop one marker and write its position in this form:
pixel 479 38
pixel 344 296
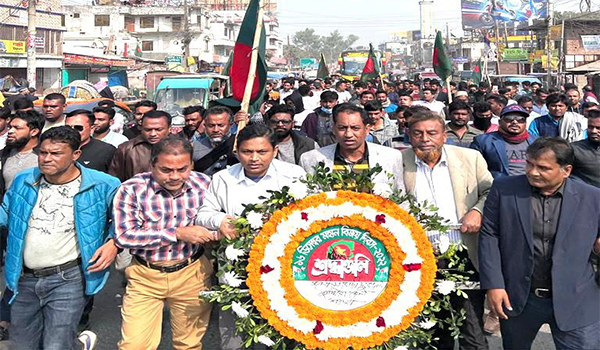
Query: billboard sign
pixel 590 42
pixel 483 13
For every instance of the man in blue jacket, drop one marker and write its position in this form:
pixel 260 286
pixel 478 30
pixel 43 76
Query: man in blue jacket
pixel 505 150
pixel 59 245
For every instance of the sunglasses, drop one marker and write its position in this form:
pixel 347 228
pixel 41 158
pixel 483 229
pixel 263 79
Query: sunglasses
pixel 284 122
pixel 77 127
pixel 512 118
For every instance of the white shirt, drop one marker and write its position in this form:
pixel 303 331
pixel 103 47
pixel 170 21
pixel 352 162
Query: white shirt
pixel 230 190
pixel 435 106
pixel 343 96
pixel 114 139
pixel 283 94
pixel 435 187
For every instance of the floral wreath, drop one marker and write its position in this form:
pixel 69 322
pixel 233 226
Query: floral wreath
pixel 279 316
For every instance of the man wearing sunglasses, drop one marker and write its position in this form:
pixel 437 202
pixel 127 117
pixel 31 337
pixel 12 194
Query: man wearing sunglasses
pixel 95 154
pixel 505 150
pixel 292 144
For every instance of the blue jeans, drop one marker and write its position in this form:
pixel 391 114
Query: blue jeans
pixel 520 331
pixel 46 310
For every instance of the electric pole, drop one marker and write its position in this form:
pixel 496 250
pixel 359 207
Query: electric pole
pixel 186 36
pixel 31 34
pixel 498 54
pixel 549 42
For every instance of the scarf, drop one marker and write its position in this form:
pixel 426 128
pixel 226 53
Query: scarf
pixel 482 123
pixel 516 139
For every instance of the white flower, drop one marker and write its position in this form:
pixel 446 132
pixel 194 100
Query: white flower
pixel 263 339
pixel 446 287
pixel 382 189
pixel 239 310
pixel 233 253
pixel 255 220
pixel 231 279
pixel 401 347
pixel 428 324
pixel 298 190
pixel 444 243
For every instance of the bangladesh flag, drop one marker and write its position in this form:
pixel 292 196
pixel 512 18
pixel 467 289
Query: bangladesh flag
pixel 477 72
pixel 442 66
pixel 323 71
pixel 242 53
pixel 138 50
pixel 371 70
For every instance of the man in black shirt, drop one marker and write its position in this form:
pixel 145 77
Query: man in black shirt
pixel 95 154
pixel 587 152
pixel 139 109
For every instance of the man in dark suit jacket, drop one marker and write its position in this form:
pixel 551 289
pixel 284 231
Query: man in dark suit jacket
pixel 539 235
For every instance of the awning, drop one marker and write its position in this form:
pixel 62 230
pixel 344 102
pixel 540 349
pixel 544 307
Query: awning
pixel 590 67
pixel 97 61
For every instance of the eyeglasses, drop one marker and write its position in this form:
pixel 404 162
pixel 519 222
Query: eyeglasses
pixel 77 127
pixel 282 121
pixel 512 118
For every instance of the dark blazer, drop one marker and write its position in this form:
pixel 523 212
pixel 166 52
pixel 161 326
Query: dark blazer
pixel 506 249
pixel 492 148
pixel 302 144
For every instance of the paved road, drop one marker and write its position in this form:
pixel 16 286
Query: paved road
pixel 106 322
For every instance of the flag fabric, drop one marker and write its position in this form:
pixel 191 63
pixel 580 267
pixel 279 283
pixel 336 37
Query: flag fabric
pixel 138 50
pixel 242 53
pixel 477 72
pixel 323 71
pixel 371 70
pixel 442 66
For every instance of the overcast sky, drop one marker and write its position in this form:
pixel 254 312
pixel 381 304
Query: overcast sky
pixel 373 20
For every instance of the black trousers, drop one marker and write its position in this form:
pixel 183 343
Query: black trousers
pixel 472 335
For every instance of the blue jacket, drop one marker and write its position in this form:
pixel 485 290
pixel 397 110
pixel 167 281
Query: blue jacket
pixel 93 224
pixel 492 148
pixel 506 254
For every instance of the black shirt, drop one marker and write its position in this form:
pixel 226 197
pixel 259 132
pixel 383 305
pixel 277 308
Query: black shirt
pixel 587 161
pixel 545 215
pixel 132 132
pixel 97 155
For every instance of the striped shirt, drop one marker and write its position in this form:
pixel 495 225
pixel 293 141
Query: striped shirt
pixel 146 216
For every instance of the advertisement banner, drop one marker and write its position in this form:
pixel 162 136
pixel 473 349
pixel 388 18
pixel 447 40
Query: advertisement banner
pixel 515 54
pixel 11 46
pixel 483 13
pixel 590 42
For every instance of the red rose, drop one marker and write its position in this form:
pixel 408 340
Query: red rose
pixel 266 269
pixel 411 267
pixel 380 322
pixel 318 328
pixel 380 219
pixel 304 216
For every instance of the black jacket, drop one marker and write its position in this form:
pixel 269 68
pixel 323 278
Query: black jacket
pixel 302 144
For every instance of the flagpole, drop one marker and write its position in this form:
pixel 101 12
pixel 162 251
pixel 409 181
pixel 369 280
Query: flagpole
pixel 448 88
pixel 253 65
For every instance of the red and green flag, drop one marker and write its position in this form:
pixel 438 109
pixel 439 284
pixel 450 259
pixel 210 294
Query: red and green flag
pixel 323 71
pixel 477 72
pixel 242 53
pixel 442 66
pixel 372 69
pixel 138 50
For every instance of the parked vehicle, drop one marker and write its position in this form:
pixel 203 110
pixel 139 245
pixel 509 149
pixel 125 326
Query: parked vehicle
pixel 177 92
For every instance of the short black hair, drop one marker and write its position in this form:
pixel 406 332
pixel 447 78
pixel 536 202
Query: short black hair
pixel 282 108
pixel 88 114
pixel 557 98
pixel 329 96
pixel 106 110
pixel 406 95
pixel 563 152
pixel 526 83
pixel 360 84
pixel 570 86
pixel 381 92
pixel 156 115
pixel 499 99
pixel 435 82
pixel 457 105
pixel 172 144
pixel 33 119
pixel 304 90
pixel 504 90
pixel 373 106
pixel 484 84
pixel 524 99
pixel 541 91
pixel 56 96
pixel 481 107
pixel 427 89
pixel 193 109
pixel 22 103
pixel 62 134
pixel 106 103
pixel 256 130
pixel 351 108
pixel 368 92
pixel 5 113
pixel 593 114
pixel 145 103
pixel 216 110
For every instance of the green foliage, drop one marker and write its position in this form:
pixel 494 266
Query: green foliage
pixel 306 43
pixel 323 180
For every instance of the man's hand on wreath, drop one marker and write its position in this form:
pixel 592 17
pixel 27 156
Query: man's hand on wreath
pixel 194 234
pixel 471 222
pixel 227 228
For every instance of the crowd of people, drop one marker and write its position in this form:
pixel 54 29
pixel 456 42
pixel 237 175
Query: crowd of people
pixel 516 167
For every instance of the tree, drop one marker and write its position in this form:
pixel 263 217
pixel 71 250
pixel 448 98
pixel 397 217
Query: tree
pixel 306 43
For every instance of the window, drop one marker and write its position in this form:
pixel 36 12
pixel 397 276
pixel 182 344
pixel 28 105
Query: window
pixel 226 33
pixel 199 20
pixel 62 20
pixel 76 15
pixel 176 23
pixel 147 45
pixel 102 20
pixel 147 22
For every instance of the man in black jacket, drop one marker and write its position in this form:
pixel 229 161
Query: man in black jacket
pixel 292 144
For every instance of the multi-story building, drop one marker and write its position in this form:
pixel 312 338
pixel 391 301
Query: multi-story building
pixel 13 41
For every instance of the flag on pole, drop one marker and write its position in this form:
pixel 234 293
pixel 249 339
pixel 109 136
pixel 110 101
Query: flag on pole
pixel 477 72
pixel 442 66
pixel 138 50
pixel 371 70
pixel 242 53
pixel 323 71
